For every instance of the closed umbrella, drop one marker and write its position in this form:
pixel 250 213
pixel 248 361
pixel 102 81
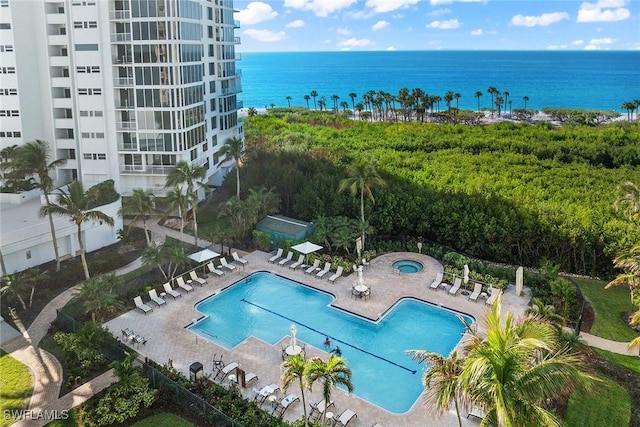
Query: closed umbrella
pixel 293 335
pixel 466 273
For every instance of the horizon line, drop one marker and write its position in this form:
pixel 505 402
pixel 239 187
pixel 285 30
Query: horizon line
pixel 443 50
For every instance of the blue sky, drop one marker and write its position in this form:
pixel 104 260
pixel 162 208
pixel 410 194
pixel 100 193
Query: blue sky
pixel 327 25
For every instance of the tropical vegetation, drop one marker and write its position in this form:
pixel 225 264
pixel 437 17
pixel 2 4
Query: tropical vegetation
pixel 187 179
pixel 15 387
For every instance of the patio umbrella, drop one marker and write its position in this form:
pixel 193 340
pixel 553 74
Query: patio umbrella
pixel 293 335
pixel 306 247
pixel 204 255
pixel 360 277
pixel 466 273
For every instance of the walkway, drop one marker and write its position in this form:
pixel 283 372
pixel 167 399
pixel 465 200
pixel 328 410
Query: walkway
pixel 47 371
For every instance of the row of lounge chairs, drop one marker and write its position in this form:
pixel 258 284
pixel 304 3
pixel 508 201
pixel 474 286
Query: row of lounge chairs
pixel 493 294
pixel 309 269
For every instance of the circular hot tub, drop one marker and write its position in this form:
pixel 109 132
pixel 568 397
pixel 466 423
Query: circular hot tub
pixel 408 266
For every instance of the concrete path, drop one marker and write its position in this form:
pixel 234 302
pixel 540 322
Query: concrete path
pixel 47 371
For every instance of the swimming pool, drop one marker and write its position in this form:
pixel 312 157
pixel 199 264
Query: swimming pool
pixel 264 305
pixel 408 266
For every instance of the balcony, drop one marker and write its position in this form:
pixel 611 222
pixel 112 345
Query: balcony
pixel 62 103
pixel 63 123
pixel 116 15
pixel 236 23
pixel 130 125
pixel 58 40
pixel 63 82
pixel 59 61
pixel 121 37
pixel 56 18
pixel 145 169
pixel 65 144
pixel 123 81
pixel 122 60
pixel 236 40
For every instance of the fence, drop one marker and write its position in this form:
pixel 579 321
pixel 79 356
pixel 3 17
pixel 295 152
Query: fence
pixel 158 380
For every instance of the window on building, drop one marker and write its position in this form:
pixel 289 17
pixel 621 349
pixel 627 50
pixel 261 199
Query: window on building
pixel 86 47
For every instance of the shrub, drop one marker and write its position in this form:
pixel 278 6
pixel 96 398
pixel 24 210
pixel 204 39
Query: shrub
pixel 262 240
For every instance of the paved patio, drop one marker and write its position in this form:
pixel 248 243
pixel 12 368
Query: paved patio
pixel 168 340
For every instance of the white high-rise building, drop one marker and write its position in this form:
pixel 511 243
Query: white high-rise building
pixel 122 89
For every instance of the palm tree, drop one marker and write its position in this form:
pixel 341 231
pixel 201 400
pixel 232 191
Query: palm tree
pixel 456 96
pixel 176 199
pixel 499 102
pixel 96 297
pixel 307 98
pixel 34 158
pixel 322 103
pixel 190 176
pixel 628 200
pixel 332 372
pixel 139 204
pixel 314 94
pixel 167 257
pixel 344 105
pixel 629 261
pixel 448 97
pixel 441 379
pixel 362 176
pixel 76 204
pixel 252 111
pixel 525 99
pixel 11 284
pixel 630 107
pixel 478 94
pixel 289 101
pixel 335 99
pixel 492 91
pixel 517 368
pixel 234 148
pixel 353 97
pixel 293 369
pixel 505 93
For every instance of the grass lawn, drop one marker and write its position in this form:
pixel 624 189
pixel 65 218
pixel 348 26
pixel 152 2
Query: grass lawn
pixel 608 404
pixel 163 420
pixel 609 306
pixel 15 386
pixel 632 363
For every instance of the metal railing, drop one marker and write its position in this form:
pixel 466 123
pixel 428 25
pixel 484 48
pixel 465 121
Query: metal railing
pixel 121 37
pixel 123 81
pixel 119 14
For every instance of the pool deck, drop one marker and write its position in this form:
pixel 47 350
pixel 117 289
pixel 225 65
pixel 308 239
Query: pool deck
pixel 168 340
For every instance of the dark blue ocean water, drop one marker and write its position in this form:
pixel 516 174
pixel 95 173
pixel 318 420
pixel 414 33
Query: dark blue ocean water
pixel 573 79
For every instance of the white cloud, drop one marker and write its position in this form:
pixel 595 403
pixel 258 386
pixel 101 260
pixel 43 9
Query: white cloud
pixel 255 12
pixel 439 2
pixel 322 8
pixel 354 43
pixel 380 25
pixel 450 24
pixel 298 23
pixel 603 11
pixel 557 46
pixel 390 48
pixel 439 12
pixel 343 31
pixel 603 43
pixel 382 6
pixel 265 35
pixel 477 32
pixel 577 42
pixel 542 20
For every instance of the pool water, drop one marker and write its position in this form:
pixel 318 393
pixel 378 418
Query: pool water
pixel 265 305
pixel 408 266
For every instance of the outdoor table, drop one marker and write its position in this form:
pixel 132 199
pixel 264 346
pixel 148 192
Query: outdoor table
pixel 329 417
pixel 484 295
pixel 292 350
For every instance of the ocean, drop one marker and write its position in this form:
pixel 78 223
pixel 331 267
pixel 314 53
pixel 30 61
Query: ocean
pixel 573 79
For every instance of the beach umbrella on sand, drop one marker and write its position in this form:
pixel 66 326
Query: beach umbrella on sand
pixel 466 273
pixel 293 334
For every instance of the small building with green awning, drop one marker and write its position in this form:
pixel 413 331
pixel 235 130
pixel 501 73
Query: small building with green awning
pixel 280 227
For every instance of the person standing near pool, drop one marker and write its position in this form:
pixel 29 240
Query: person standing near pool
pixel 327 343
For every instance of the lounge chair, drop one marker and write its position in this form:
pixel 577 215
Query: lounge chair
pixel 286 401
pixel 251 376
pixel 337 274
pixel 476 292
pixel 265 392
pixel 325 270
pixel 197 279
pixel 311 269
pixel 169 290
pixel 183 285
pixel 142 306
pixel 277 256
pixel 155 298
pixel 229 267
pixel 436 283
pixel 456 286
pixel 345 418
pixel 495 294
pixel 212 268
pixel 225 370
pixel 283 261
pixel 317 409
pixel 237 259
pixel 298 263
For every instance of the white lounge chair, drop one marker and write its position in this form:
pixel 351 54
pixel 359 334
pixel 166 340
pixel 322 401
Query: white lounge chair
pixel 183 285
pixel 495 294
pixel 477 290
pixel 337 274
pixel 251 376
pixel 319 408
pixel 277 256
pixel 155 298
pixel 226 370
pixel 212 268
pixel 436 283
pixel 345 418
pixel 197 279
pixel 311 269
pixel 142 306
pixel 286 401
pixel 283 261
pixel 237 259
pixel 223 262
pixel 169 290
pixel 456 286
pixel 298 263
pixel 325 270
